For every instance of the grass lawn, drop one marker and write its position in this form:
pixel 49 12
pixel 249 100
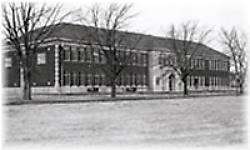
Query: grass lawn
pixel 206 121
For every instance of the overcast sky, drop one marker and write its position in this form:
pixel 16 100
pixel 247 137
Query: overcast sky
pixel 155 16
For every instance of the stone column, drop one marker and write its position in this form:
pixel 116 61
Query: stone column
pixel 57 69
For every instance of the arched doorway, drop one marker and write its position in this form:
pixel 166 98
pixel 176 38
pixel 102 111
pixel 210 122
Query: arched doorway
pixel 171 84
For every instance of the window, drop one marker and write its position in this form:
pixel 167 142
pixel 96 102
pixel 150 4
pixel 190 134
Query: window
pixel 211 81
pixel 41 58
pixel 127 79
pixel 66 78
pixel 137 59
pixel 102 79
pixel 136 78
pixel 101 56
pixel 74 79
pixel 129 57
pixel 161 59
pixel 203 80
pixel 66 53
pixel 82 78
pixel 74 53
pixel 140 59
pixel 82 54
pixel 8 62
pixel 196 63
pixel 192 63
pixel 133 79
pixel 96 54
pixel 88 54
pixel 96 79
pixel 210 64
pixel 144 82
pixel 200 64
pixel 88 79
pixel 134 59
pixel 144 59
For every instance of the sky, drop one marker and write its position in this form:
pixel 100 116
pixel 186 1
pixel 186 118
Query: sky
pixel 155 16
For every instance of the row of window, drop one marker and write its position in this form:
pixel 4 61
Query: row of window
pixel 218 65
pixel 88 54
pixel 213 81
pixel 195 63
pixel 166 60
pixel 82 78
pixel 41 59
pixel 196 80
pixel 218 81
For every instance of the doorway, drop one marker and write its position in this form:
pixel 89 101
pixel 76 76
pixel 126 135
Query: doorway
pixel 171 83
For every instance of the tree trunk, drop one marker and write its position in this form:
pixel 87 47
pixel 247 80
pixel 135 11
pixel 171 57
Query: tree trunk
pixel 27 91
pixel 113 90
pixel 26 87
pixel 185 91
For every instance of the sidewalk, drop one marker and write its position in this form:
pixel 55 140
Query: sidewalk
pixel 77 98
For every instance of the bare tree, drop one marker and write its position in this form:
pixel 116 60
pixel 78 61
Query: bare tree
pixel 116 46
pixel 26 26
pixel 235 44
pixel 185 40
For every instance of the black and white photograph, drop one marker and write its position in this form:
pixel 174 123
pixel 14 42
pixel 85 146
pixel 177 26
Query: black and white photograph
pixel 124 74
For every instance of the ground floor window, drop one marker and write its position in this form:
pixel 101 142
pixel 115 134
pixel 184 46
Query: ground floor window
pixel 74 79
pixel 84 78
pixel 66 78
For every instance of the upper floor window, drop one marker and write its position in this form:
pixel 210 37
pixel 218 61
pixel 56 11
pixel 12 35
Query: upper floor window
pixel 82 53
pixel 161 59
pixel 7 62
pixel 67 53
pixel 41 58
pixel 144 59
pixel 134 58
pixel 74 53
pixel 192 63
pixel 96 55
pixel 212 65
pixel 88 54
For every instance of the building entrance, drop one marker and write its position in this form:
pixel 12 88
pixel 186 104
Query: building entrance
pixel 171 83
